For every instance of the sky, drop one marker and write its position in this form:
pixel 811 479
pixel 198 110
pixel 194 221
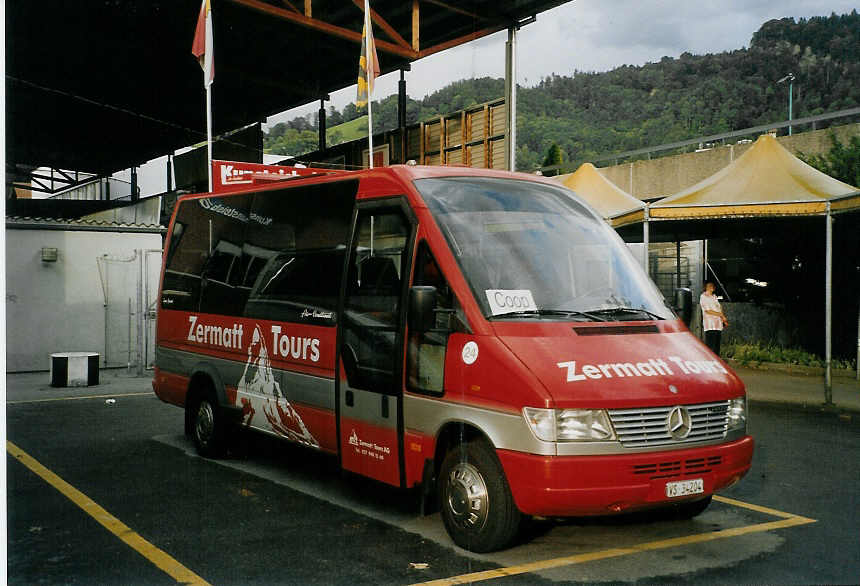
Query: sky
pixel 594 35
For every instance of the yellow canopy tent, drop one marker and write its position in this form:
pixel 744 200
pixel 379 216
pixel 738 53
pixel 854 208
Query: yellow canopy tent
pixel 767 181
pixel 617 207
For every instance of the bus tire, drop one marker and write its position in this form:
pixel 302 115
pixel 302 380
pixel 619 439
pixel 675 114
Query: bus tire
pixel 207 426
pixel 475 500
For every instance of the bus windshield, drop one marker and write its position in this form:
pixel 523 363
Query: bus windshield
pixel 531 250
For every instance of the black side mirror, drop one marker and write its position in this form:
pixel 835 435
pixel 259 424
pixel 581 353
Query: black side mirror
pixel 422 302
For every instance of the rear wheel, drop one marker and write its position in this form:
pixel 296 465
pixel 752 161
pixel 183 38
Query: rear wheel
pixel 207 427
pixel 476 503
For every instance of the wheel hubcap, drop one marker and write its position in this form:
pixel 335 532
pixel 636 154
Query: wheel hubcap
pixel 205 423
pixel 467 497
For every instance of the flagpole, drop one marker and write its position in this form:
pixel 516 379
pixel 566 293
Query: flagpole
pixel 209 132
pixel 367 73
pixel 203 49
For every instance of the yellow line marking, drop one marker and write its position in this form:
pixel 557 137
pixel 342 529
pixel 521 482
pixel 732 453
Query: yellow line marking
pixel 788 520
pixel 758 508
pixel 161 559
pixel 22 402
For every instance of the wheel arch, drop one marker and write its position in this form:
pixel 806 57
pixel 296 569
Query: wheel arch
pixel 454 433
pixel 203 379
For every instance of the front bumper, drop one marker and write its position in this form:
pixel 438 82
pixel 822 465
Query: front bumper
pixel 600 485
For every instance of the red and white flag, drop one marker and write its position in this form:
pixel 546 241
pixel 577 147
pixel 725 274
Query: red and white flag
pixel 202 47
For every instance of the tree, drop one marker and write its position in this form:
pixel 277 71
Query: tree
pixel 333 118
pixel 841 162
pixel 554 156
pixel 350 112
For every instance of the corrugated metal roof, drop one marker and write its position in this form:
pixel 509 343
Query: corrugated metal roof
pixel 31 223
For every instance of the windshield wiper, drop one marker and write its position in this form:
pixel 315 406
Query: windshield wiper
pixel 622 310
pixel 549 312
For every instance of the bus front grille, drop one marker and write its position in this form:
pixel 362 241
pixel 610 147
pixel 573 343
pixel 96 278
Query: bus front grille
pixel 651 426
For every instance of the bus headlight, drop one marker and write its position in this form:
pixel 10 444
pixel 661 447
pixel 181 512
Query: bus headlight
pixel 569 425
pixel 541 422
pixel 738 413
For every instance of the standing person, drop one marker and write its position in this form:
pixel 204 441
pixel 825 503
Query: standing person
pixel 713 318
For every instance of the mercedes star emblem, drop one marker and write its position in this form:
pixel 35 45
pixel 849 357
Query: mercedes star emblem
pixel 679 423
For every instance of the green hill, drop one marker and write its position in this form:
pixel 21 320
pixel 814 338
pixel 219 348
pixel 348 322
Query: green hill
pixel 352 130
pixel 590 114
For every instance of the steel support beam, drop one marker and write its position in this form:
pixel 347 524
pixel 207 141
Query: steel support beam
pixel 401 114
pixel 646 237
pixel 828 309
pixel 383 24
pixel 405 50
pixel 511 98
pixel 321 126
pixel 416 26
pixel 324 27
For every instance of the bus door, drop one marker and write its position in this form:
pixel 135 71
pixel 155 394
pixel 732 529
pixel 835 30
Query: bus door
pixel 371 342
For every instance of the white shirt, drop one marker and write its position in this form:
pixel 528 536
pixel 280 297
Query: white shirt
pixel 710 322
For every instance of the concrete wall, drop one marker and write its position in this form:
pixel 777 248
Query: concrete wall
pixel 668 175
pixel 59 306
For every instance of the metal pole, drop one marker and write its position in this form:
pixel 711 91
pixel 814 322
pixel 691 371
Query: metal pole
pixel 128 358
pixel 646 240
pixel 511 97
pixel 140 317
pixel 678 262
pixel 321 126
pixel 134 192
pixel 169 173
pixel 145 277
pixel 857 364
pixel 401 114
pixel 828 310
pixel 790 93
pixel 368 76
pixel 209 133
pixel 107 307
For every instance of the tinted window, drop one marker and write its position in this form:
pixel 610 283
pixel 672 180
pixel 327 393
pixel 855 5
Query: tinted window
pixel 227 219
pixel 272 255
pixel 294 252
pixel 372 308
pixel 426 350
pixel 203 237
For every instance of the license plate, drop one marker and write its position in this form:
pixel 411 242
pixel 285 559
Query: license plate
pixel 684 488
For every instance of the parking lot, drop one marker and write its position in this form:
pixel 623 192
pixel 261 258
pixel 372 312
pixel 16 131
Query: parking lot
pixel 104 488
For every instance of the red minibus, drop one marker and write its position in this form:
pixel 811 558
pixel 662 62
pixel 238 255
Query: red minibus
pixel 481 335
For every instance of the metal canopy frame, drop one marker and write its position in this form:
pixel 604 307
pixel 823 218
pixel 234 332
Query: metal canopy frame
pixel 58 180
pixel 106 86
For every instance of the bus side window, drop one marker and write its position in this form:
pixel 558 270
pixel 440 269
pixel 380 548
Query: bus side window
pixel 187 254
pixel 372 308
pixel 426 350
pixel 293 256
pixel 226 222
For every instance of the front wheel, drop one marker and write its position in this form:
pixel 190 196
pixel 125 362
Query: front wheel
pixel 476 503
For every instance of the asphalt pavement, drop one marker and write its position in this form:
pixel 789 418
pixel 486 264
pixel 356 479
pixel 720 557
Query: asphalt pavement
pixel 273 513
